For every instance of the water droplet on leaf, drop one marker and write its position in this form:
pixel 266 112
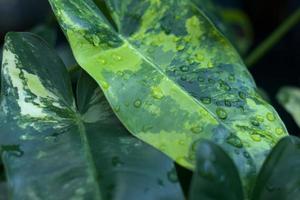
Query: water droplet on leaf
pixel 222 114
pixel 206 100
pixel 137 103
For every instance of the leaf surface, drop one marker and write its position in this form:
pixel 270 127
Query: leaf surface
pixel 216 176
pixel 289 98
pixel 280 174
pixel 53 151
pixel 172 78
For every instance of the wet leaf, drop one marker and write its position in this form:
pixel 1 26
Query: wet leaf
pixel 279 177
pixel 46 32
pixel 231 20
pixel 289 98
pixel 216 176
pixel 3 191
pixel 53 151
pixel 173 77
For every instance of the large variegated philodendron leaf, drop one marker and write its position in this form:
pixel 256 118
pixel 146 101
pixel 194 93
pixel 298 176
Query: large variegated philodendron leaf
pixel 172 78
pixel 53 151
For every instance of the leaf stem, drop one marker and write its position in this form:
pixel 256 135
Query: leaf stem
pixel 274 38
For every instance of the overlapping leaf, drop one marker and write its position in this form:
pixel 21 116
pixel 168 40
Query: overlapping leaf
pixel 280 174
pixel 172 78
pixel 52 151
pixel 216 177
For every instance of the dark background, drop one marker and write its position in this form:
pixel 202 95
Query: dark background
pixel 278 68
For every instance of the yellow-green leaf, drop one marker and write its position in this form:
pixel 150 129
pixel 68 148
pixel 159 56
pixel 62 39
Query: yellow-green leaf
pixel 172 78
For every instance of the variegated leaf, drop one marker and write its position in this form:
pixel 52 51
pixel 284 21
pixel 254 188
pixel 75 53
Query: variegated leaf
pixel 172 78
pixel 54 152
pixel 231 20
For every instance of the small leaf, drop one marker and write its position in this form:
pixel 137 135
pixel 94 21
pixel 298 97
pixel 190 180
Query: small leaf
pixel 216 176
pixel 289 98
pixel 58 152
pixel 279 177
pixel 174 77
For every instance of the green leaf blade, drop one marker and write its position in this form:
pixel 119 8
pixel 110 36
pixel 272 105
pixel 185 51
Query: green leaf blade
pixel 216 176
pixel 172 78
pixel 279 177
pixel 58 152
pixel 127 167
pixel 40 115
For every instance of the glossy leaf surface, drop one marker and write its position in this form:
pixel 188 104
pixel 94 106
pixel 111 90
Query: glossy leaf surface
pixel 52 151
pixel 172 78
pixel 127 167
pixel 216 176
pixel 289 98
pixel 280 174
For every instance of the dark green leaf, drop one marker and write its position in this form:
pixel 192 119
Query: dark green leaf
pixel 47 33
pixel 172 78
pixel 3 191
pixel 216 177
pixel 279 177
pixel 289 98
pixel 56 152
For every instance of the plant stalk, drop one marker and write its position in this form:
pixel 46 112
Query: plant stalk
pixel 274 38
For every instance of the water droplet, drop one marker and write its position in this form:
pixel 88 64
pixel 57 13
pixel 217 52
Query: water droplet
pixel 180 47
pixel 120 73
pixel 117 108
pixel 234 141
pixel 224 86
pixel 199 57
pixel 116 161
pixel 255 137
pixel 146 128
pixel 137 103
pixel 102 61
pixel 222 114
pixel 105 85
pixel 246 154
pixel 242 95
pixel 255 122
pixel 227 103
pixel 160 182
pixel 206 100
pixel 180 142
pixel 279 131
pixel 197 129
pixel 260 118
pixel 231 78
pixel 172 176
pixel 96 40
pixel 184 68
pixel 117 57
pixel 270 117
pixel 201 79
pixel 157 93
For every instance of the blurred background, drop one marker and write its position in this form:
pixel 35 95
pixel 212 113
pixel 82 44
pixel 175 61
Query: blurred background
pixel 245 22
